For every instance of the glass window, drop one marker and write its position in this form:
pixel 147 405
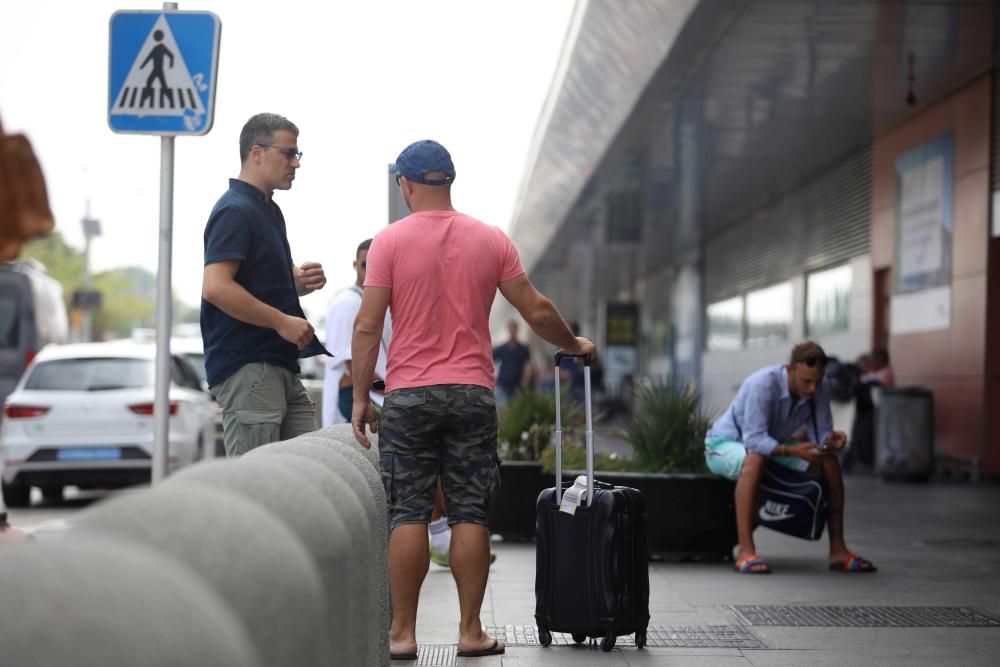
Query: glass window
pixel 93 374
pixel 769 315
pixel 725 325
pixel 828 297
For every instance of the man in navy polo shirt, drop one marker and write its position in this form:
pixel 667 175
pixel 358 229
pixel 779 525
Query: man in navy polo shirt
pixel 252 324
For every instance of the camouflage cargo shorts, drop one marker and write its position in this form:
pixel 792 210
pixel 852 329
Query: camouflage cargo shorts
pixel 446 431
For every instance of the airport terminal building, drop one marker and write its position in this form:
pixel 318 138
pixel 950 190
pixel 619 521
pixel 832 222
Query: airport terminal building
pixel 714 180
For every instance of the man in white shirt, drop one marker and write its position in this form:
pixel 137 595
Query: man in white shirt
pixel 338 385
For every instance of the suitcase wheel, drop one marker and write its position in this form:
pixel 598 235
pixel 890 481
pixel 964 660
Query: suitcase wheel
pixel 640 638
pixel 578 638
pixel 608 643
pixel 544 636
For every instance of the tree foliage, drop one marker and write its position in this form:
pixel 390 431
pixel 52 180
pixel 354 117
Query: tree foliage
pixel 128 294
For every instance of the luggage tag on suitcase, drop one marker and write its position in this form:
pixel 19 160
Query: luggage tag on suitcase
pixel 574 496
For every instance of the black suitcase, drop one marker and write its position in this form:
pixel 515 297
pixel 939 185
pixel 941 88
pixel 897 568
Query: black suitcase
pixel 792 502
pixel 592 567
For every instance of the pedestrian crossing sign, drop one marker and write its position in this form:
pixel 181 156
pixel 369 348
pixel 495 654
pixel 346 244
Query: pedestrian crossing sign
pixel 161 72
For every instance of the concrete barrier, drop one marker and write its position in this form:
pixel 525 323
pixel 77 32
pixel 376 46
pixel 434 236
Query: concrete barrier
pixel 255 563
pixel 316 521
pixel 90 601
pixel 356 471
pixel 363 583
pixel 345 433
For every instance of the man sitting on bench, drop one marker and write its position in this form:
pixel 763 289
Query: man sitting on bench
pixel 782 412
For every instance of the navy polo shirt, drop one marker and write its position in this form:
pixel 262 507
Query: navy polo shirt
pixel 246 226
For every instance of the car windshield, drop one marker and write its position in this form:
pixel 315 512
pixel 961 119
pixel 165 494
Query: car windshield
pixel 92 374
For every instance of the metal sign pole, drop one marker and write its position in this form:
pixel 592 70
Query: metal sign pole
pixel 164 307
pixel 183 102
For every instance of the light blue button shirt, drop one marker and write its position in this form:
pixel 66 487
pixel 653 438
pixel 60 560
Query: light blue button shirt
pixel 764 413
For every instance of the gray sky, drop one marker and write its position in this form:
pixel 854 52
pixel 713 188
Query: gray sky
pixel 360 79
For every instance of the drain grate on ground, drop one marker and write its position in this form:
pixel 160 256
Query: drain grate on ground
pixel 863 617
pixel 433 655
pixel 657 636
pixel 962 543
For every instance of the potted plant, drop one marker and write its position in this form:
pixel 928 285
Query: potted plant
pixel 691 512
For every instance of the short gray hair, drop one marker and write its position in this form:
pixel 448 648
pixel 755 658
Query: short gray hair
pixel 260 129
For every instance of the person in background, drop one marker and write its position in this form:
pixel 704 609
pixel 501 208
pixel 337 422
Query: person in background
pixel 782 412
pixel 864 364
pixel 338 384
pixel 514 362
pixel 881 371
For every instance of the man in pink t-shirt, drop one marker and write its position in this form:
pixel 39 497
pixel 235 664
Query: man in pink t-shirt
pixel 438 270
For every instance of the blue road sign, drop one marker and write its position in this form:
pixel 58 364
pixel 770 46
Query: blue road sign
pixel 161 72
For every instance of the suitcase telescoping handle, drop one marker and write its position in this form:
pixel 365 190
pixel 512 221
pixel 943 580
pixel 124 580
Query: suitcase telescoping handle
pixel 560 355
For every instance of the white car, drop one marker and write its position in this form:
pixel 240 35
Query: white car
pixel 82 415
pixel 192 349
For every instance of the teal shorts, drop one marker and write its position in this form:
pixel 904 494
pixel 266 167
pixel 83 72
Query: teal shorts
pixel 725 457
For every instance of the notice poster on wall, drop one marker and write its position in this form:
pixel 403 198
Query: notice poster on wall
pixel 924 184
pixel 621 354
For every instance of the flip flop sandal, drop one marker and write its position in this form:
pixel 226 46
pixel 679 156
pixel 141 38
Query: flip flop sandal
pixel 402 656
pixel 495 649
pixel 854 563
pixel 746 564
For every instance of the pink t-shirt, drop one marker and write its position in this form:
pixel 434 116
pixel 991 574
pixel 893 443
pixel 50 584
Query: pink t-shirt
pixel 443 268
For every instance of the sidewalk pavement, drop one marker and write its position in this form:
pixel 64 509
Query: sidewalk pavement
pixel 937 546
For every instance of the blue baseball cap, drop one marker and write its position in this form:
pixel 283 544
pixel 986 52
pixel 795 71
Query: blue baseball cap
pixel 423 157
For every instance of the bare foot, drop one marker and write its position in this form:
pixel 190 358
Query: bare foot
pixel 485 645
pixel 403 646
pixel 839 555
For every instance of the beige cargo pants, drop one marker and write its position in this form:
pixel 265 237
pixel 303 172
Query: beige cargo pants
pixel 263 403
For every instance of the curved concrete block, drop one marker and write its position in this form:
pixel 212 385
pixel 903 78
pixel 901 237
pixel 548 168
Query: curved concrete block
pixel 92 601
pixel 336 454
pixel 365 481
pixel 363 583
pixel 345 433
pixel 313 518
pixel 249 556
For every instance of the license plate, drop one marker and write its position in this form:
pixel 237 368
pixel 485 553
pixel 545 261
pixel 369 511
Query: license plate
pixel 89 454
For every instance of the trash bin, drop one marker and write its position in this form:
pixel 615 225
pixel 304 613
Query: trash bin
pixel 904 434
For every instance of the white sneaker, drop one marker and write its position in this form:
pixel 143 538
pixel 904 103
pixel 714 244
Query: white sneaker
pixel 439 557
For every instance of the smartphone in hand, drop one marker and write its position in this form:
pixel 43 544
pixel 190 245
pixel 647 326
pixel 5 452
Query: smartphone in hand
pixel 827 444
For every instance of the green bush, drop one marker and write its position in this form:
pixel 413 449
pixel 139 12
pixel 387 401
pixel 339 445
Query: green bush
pixel 528 422
pixel 668 427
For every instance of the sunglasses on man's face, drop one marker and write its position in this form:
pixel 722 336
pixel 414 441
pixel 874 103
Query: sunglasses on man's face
pixel 289 153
